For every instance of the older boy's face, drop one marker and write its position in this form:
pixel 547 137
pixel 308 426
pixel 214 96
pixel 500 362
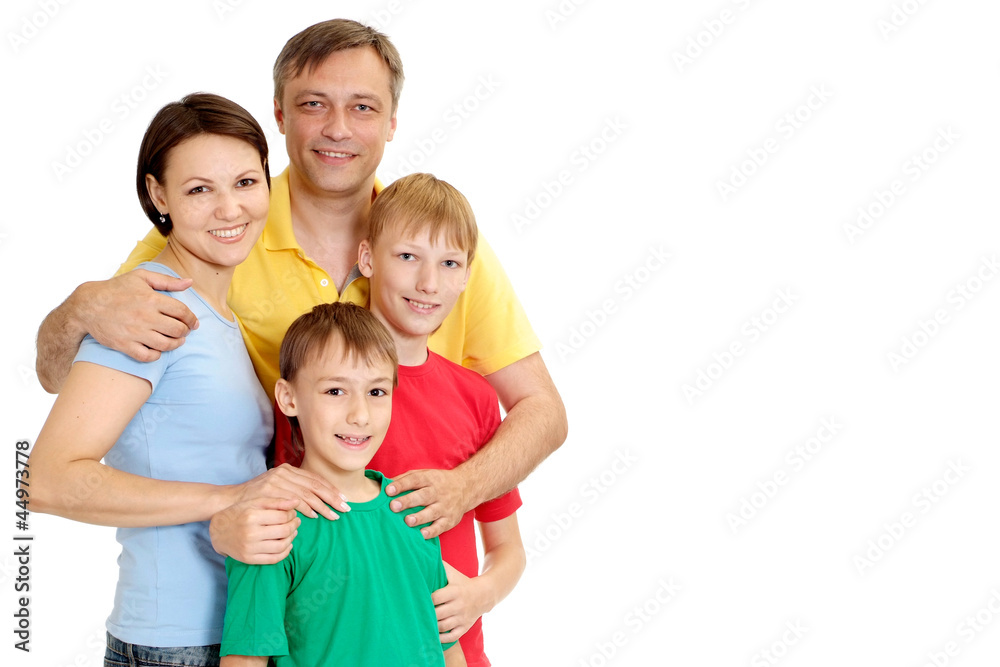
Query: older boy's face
pixel 343 407
pixel 415 281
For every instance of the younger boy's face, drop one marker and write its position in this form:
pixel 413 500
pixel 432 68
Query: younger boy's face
pixel 343 406
pixel 415 281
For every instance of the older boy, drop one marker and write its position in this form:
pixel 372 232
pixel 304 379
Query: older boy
pixel 356 591
pixel 421 242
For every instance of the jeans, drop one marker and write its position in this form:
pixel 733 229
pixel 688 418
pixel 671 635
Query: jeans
pixel 120 654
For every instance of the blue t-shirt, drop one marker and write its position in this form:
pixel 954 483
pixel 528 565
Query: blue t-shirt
pixel 207 420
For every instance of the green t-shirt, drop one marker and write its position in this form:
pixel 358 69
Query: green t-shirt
pixel 355 591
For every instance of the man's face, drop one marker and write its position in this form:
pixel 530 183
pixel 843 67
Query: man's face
pixel 336 118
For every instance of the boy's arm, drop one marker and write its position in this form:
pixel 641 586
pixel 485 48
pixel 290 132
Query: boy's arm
pixel 465 599
pixel 453 657
pixel 534 427
pixel 245 661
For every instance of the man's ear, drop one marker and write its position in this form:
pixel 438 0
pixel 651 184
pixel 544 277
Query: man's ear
pixel 279 116
pixel 365 259
pixel 156 193
pixel 284 396
pixel 392 127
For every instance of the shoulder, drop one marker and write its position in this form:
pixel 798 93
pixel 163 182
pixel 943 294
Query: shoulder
pixel 464 379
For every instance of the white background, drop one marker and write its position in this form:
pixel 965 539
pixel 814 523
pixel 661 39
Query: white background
pixel 639 495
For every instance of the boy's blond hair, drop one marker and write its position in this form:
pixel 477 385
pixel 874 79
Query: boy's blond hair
pixel 360 333
pixel 419 202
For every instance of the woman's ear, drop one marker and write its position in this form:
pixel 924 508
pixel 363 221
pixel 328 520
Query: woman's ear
pixel 156 193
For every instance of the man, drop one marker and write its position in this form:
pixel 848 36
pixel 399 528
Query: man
pixel 337 87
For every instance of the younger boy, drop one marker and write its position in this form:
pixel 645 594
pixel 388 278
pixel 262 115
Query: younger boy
pixel 356 591
pixel 422 239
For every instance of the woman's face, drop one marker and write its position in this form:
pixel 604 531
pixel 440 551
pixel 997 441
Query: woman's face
pixel 214 189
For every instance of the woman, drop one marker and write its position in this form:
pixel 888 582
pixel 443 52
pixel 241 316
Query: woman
pixel 184 436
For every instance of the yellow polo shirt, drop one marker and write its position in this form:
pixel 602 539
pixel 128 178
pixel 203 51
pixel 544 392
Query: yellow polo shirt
pixel 485 331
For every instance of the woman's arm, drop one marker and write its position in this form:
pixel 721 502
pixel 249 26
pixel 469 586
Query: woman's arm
pixel 465 599
pixel 68 479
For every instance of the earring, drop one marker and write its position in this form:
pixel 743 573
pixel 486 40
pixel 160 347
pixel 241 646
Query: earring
pixel 163 219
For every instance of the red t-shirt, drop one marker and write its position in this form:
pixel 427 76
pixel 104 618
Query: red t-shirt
pixel 441 415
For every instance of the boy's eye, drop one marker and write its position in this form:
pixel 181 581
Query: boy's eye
pixel 405 256
pixel 335 391
pixel 377 392
pixel 451 264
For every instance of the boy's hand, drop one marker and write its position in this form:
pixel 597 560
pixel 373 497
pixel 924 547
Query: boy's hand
pixel 258 531
pixel 458 604
pixel 441 492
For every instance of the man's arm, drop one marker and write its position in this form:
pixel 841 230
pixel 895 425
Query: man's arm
pixel 534 427
pixel 124 313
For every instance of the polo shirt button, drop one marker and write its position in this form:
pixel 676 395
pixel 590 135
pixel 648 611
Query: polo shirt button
pixel 324 282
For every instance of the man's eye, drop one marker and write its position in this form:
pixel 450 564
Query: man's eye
pixel 364 107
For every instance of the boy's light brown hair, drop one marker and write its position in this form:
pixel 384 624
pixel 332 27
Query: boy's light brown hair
pixel 360 334
pixel 420 202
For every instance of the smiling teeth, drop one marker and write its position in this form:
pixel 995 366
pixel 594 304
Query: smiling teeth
pixel 330 154
pixel 423 306
pixel 228 233
pixel 354 441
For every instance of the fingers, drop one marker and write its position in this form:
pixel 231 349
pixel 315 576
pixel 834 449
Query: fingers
pixel 408 481
pixel 163 282
pixel 312 495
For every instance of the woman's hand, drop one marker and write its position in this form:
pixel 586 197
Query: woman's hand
pixel 259 527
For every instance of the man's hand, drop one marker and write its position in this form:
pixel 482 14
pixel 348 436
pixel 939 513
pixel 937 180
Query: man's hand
pixel 458 604
pixel 258 531
pixel 442 493
pixel 126 313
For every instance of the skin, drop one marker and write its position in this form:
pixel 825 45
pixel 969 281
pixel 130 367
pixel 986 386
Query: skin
pixel 349 114
pixel 416 284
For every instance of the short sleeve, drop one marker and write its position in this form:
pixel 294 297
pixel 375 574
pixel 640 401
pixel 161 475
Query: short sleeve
pixel 95 353
pixel 499 508
pixel 497 330
pixel 255 609
pixel 145 251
